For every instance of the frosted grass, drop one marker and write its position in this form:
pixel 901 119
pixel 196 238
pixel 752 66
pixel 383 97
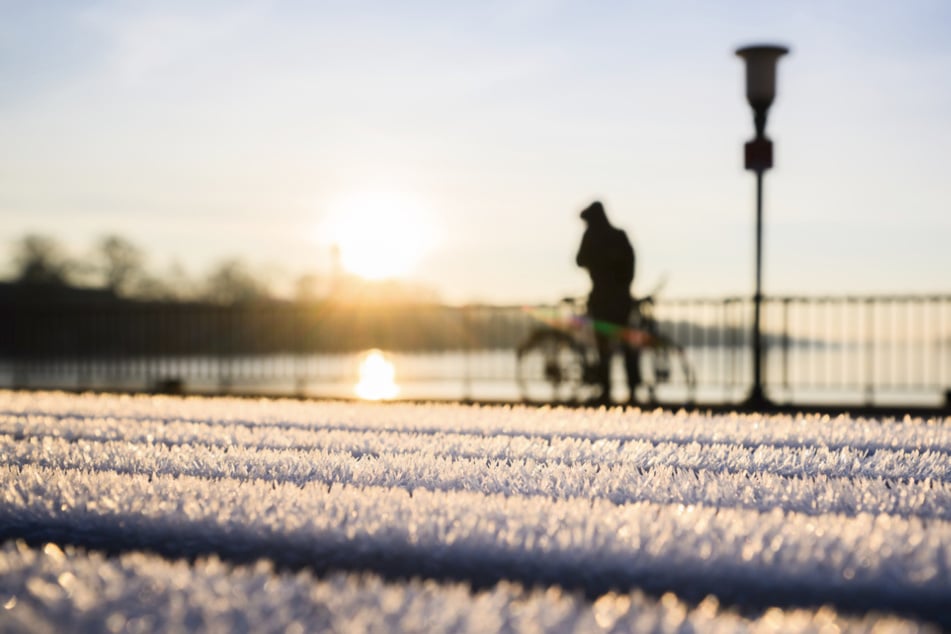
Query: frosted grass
pixel 615 424
pixel 732 485
pixel 781 459
pixel 758 510
pixel 739 555
pixel 90 592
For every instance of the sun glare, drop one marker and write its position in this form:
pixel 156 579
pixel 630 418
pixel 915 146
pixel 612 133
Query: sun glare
pixel 376 378
pixel 380 236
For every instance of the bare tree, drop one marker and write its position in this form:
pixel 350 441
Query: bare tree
pixel 120 264
pixel 39 259
pixel 174 286
pixel 309 287
pixel 231 282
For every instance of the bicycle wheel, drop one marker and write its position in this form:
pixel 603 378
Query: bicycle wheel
pixel 550 367
pixel 665 362
pixel 655 369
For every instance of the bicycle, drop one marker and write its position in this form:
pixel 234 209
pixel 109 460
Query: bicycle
pixel 558 362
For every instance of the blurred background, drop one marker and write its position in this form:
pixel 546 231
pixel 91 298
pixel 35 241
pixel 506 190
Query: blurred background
pixel 253 195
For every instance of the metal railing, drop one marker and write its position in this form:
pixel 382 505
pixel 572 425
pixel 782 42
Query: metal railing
pixel 829 348
pixel 849 349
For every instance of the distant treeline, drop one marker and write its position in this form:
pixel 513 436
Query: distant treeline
pixel 108 303
pixel 97 324
pixel 106 326
pixel 116 266
pixel 110 306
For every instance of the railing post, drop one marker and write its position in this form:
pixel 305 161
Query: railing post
pixel 733 342
pixel 299 348
pixel 467 338
pixel 226 327
pixel 869 351
pixel 24 322
pixel 945 346
pixel 786 386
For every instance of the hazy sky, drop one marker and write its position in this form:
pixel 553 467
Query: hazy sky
pixel 211 129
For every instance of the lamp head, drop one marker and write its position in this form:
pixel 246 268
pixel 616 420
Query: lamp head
pixel 761 73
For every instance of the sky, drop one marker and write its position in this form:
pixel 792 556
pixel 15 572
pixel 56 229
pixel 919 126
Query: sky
pixel 470 135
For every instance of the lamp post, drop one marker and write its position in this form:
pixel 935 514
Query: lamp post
pixel 760 91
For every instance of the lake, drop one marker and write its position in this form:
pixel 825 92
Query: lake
pixel 912 375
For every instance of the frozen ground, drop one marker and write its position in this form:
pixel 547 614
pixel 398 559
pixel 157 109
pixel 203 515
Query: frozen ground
pixel 145 514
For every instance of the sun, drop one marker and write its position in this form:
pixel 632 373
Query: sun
pixel 379 236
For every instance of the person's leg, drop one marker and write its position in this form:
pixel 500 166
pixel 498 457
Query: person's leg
pixel 605 349
pixel 632 369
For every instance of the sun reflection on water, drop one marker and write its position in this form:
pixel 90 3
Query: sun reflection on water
pixel 376 378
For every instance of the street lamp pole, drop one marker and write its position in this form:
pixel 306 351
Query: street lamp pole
pixel 757 396
pixel 760 91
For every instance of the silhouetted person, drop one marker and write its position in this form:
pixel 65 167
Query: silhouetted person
pixel 608 256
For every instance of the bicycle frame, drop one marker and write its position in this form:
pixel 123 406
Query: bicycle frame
pixel 568 326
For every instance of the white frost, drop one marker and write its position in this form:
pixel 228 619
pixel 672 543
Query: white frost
pixel 756 510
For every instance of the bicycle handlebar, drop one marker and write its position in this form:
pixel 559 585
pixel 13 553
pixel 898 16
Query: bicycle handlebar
pixel 636 301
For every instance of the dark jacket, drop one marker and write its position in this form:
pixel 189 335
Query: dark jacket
pixel 608 256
